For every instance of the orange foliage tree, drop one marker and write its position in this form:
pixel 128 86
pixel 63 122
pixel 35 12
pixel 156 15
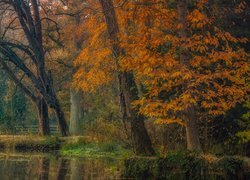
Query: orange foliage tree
pixel 213 80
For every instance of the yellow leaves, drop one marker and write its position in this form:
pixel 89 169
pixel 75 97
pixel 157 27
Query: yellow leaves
pixel 89 81
pixel 201 49
pixel 197 61
pixel 95 63
pixel 197 19
pixel 170 121
pixel 229 37
pixel 176 74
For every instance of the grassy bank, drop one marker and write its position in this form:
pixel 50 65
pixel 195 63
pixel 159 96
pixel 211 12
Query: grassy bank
pixel 176 165
pixel 25 143
pixel 186 165
pixel 67 146
pixel 95 150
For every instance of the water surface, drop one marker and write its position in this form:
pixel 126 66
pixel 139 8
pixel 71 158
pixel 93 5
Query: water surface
pixel 30 166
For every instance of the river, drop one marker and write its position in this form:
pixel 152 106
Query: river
pixel 29 166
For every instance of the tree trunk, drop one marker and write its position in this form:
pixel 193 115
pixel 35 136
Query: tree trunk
pixel 63 169
pixel 128 88
pixel 43 118
pixel 140 138
pixel 75 112
pixel 55 105
pixel 192 136
pixel 61 120
pixel 32 27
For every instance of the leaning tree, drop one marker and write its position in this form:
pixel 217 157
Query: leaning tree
pixel 28 55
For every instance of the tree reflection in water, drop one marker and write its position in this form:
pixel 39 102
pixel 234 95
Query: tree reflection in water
pixel 63 168
pixel 44 168
pixel 48 167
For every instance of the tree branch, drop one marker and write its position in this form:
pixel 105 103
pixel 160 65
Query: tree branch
pixel 18 82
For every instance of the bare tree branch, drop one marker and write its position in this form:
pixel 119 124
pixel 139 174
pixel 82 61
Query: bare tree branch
pixel 18 82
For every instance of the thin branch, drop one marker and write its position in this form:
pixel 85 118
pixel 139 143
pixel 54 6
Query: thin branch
pixel 18 82
pixel 13 57
pixel 8 27
pixel 21 47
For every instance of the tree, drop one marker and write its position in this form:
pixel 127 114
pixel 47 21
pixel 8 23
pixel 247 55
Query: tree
pixel 30 21
pixel 76 112
pixel 63 50
pixel 189 114
pixel 91 78
pixel 190 67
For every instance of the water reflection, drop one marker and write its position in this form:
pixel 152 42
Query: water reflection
pixel 50 167
pixel 44 168
pixel 63 169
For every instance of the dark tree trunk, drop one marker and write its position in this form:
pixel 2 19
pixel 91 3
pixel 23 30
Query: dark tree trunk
pixel 140 138
pixel 63 169
pixel 127 86
pixel 193 141
pixel 54 103
pixel 192 136
pixel 43 118
pixel 61 120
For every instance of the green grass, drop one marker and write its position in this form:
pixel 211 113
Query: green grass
pixel 95 150
pixel 67 146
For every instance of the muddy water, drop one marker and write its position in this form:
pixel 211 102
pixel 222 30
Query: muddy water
pixel 52 167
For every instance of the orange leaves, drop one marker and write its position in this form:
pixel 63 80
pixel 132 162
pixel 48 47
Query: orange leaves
pixel 213 80
pixel 200 4
pixel 89 81
pixel 197 19
pixel 94 70
pixel 170 121
pixel 95 62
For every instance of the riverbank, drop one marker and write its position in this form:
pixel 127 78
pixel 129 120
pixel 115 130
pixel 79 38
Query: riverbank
pixel 78 146
pixel 26 143
pixel 95 150
pixel 180 165
pixel 187 165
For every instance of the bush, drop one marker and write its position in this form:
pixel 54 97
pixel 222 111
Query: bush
pixel 184 165
pixel 103 131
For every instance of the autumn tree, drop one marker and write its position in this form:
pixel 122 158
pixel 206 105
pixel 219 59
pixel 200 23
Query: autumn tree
pixel 69 16
pixel 189 114
pixel 190 67
pixel 103 63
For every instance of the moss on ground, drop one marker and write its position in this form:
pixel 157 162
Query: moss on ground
pixel 94 150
